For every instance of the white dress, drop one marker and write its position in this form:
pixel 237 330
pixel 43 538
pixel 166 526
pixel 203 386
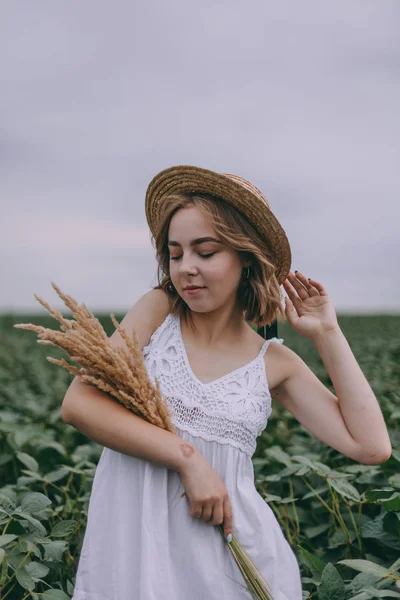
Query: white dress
pixel 140 541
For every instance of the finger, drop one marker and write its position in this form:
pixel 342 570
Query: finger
pixel 288 305
pixel 292 299
pixel 196 511
pixel 297 285
pixel 218 513
pixel 207 513
pixel 311 290
pixel 228 517
pixel 318 286
pixel 291 286
pixel 300 277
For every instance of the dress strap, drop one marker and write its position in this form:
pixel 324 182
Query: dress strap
pixel 267 343
pixel 156 334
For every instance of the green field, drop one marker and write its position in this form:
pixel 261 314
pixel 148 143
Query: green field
pixel 342 518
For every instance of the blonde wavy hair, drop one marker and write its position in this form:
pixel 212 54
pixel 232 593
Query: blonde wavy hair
pixel 260 295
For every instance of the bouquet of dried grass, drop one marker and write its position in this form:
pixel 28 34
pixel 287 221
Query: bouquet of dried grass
pixel 121 373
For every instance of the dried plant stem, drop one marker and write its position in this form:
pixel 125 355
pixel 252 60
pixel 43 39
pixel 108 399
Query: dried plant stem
pixel 252 576
pixel 119 372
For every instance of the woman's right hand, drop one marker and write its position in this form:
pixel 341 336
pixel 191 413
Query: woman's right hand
pixel 207 493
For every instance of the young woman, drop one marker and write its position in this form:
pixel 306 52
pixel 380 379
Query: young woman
pixel 222 257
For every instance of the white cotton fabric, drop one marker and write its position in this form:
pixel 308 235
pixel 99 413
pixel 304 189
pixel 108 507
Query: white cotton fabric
pixel 140 541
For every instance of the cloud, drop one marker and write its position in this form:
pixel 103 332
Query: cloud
pixel 301 99
pixel 72 233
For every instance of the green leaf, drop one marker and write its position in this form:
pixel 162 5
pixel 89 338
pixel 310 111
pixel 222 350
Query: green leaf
pixel 312 493
pixel 5 458
pixel 306 462
pixel 277 454
pixel 392 503
pixel 6 503
pixel 362 581
pixel 382 593
pixel 7 427
pixel 379 494
pixel 53 551
pixel 21 436
pixel 396 454
pixel 34 502
pixel 28 461
pixel 54 595
pixel 35 524
pixel 28 543
pixel 4 569
pixel 374 529
pixel 344 488
pixel 323 468
pixel 315 530
pixel 24 579
pixel 54 476
pixel 74 470
pixel 55 445
pixel 273 477
pixel 37 570
pixel 7 538
pixel 332 585
pixel 32 474
pixel 314 563
pixel 395 566
pixel 63 528
pixel 23 482
pixel 82 453
pixel 302 471
pixel 365 566
pixel 358 468
pixel 271 498
pixel 287 500
pixel 394 480
pixel 339 538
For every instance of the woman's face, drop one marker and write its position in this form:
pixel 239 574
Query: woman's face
pixel 211 265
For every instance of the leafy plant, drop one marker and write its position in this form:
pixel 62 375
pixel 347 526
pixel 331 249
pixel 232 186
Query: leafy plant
pixel 341 518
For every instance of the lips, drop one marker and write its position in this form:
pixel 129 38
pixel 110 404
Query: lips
pixel 193 287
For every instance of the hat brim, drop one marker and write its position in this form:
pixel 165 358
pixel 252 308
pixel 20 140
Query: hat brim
pixel 186 178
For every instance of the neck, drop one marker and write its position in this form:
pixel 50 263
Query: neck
pixel 218 328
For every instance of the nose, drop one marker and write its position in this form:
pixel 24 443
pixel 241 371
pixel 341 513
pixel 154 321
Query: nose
pixel 188 266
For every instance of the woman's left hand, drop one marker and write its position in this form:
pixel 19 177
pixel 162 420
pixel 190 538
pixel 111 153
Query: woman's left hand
pixel 310 311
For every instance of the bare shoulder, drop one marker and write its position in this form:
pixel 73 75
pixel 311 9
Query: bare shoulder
pixel 280 362
pixel 291 381
pixel 145 316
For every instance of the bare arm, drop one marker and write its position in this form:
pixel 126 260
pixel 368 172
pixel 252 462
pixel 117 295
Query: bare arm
pixel 105 421
pixel 350 422
pixel 102 419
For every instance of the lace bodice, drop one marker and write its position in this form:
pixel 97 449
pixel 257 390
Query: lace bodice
pixel 233 409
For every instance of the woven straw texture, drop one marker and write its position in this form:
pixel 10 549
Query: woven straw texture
pixel 239 192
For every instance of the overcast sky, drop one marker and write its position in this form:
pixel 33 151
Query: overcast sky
pixel 301 98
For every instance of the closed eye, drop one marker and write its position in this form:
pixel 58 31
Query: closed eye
pixel 202 256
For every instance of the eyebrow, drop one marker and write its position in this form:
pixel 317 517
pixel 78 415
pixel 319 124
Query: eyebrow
pixel 196 242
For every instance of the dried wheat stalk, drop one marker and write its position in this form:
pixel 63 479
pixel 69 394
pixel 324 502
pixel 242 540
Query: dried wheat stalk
pixel 119 372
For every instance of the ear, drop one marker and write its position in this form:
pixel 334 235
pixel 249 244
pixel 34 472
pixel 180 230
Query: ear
pixel 246 259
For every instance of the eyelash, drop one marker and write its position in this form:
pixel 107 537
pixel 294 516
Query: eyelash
pixel 202 256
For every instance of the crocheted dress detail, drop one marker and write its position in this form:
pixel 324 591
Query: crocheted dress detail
pixel 233 409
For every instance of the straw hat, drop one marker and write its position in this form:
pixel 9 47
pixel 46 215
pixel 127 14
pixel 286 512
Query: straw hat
pixel 239 192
